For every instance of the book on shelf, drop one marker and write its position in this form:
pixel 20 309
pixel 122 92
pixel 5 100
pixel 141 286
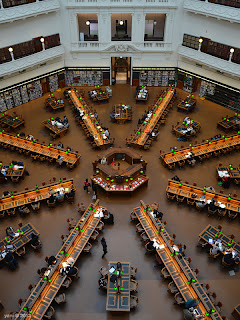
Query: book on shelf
pixel 16 97
pixel 24 94
pixel 53 82
pixel 3 105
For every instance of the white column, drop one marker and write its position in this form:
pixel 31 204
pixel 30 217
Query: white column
pixel 1 5
pixel 104 27
pixel 138 27
pixel 168 28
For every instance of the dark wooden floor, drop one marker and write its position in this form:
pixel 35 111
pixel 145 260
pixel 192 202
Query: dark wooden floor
pixel 84 300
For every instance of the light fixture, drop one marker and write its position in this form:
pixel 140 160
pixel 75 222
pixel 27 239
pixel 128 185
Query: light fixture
pixel 87 22
pixel 121 22
pixel 10 49
pixel 154 22
pixel 42 40
pixel 232 50
pixel 120 57
pixel 200 40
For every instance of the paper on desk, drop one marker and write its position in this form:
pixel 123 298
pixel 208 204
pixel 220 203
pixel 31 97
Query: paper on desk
pixel 112 270
pixel 210 241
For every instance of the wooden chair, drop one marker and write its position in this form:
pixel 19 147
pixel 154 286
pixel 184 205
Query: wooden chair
pixel 15 179
pixel 21 251
pixel 221 212
pixel 133 285
pixel 38 246
pixel 133 302
pixel 165 273
pixel 2 214
pixel 21 302
pixel 144 236
pixel 179 198
pixel 170 196
pixel 218 307
pixel 191 201
pixel 67 282
pixel 51 204
pixel 36 205
pixel 61 298
pixel 103 271
pixel 199 208
pixel 172 287
pixel 133 272
pixel 179 298
pixel 94 235
pixel 64 238
pixel 171 166
pixel 202 243
pixel 232 215
pixel 226 265
pixel 181 163
pixel 11 211
pixel 87 247
pixel 237 181
pixel 205 287
pixel 139 228
pixel 133 216
pixel 212 297
pixel 100 226
pixel 49 313
pixel 76 276
pixel 211 212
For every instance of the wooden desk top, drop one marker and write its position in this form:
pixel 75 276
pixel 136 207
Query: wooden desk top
pixel 101 95
pixel 187 190
pixel 115 301
pixel 54 103
pixel 39 148
pixel 24 237
pixel 179 268
pixel 188 100
pixel 160 106
pixel 141 99
pixel 122 113
pixel 184 126
pixel 11 172
pixel 211 232
pixel 25 197
pixel 54 128
pixel 234 172
pixel 11 121
pixel 200 149
pixel 46 289
pixel 228 123
pixel 89 119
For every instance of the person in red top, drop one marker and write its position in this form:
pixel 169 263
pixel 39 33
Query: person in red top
pixel 86 186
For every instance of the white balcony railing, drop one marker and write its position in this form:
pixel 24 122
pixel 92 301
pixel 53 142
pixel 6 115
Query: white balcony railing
pixel 28 10
pixel 30 61
pixel 107 3
pixel 121 46
pixel 213 10
pixel 210 61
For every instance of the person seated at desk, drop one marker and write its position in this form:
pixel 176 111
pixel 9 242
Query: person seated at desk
pixel 181 249
pixel 176 178
pixel 210 188
pixel 225 182
pixel 29 137
pixel 150 246
pixel 212 205
pixel 107 217
pixel 60 145
pixel 60 195
pixel 65 122
pixel 104 160
pixel 172 149
pixel 67 269
pixel 61 101
pixel 34 240
pixel 157 214
pixel 51 261
pixel 6 194
pixel 91 138
pixel 69 149
pixel 190 158
pixel 23 210
pixel 11 233
pixel 11 261
pixel 59 160
pixel 201 204
pixel 51 199
pixel 217 247
pixel 152 134
pixel 229 257
pixel 188 315
pixel 112 115
pixel 21 134
pixel 139 121
pixel 70 193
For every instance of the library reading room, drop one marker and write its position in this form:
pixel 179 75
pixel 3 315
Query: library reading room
pixel 119 159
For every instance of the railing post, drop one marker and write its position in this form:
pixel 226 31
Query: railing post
pixel 1 5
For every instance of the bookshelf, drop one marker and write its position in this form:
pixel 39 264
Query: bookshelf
pixel 24 94
pixel 23 49
pixel 3 106
pixel 207 88
pixel 8 100
pixel 52 41
pixel 53 82
pixel 158 78
pixel 16 97
pixel 190 41
pixel 85 77
pixel 34 90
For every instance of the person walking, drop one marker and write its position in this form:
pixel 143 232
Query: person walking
pixel 86 185
pixel 94 187
pixel 104 245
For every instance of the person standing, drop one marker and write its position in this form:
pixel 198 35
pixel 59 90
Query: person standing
pixel 86 185
pixel 104 245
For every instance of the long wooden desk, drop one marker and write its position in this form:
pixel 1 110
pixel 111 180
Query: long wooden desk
pixel 89 120
pixel 46 289
pixel 27 197
pixel 54 128
pixel 229 123
pixel 38 148
pixel 119 301
pixel 186 190
pixel 11 122
pixel 179 269
pixel 201 149
pixel 25 236
pixel 54 103
pixel 211 232
pixel 187 104
pixel 141 136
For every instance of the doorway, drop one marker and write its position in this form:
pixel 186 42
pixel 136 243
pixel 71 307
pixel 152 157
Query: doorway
pixel 121 70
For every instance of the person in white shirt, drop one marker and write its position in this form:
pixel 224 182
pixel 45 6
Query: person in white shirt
pixel 60 160
pixel 29 137
pixel 217 247
pixel 106 133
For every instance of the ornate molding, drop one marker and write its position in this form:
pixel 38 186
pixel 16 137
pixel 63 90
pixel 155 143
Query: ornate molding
pixel 119 47
pixel 31 61
pixel 210 61
pixel 28 10
pixel 113 3
pixel 213 10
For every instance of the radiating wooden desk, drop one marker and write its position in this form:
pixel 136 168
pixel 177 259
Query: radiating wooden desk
pixel 54 103
pixel 27 197
pixel 25 236
pixel 229 123
pixel 179 269
pixel 186 190
pixel 119 301
pixel 121 113
pixel 11 172
pixel 38 148
pixel 46 289
pixel 89 120
pixel 179 129
pixel 201 149
pixel 141 136
pixel 187 105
